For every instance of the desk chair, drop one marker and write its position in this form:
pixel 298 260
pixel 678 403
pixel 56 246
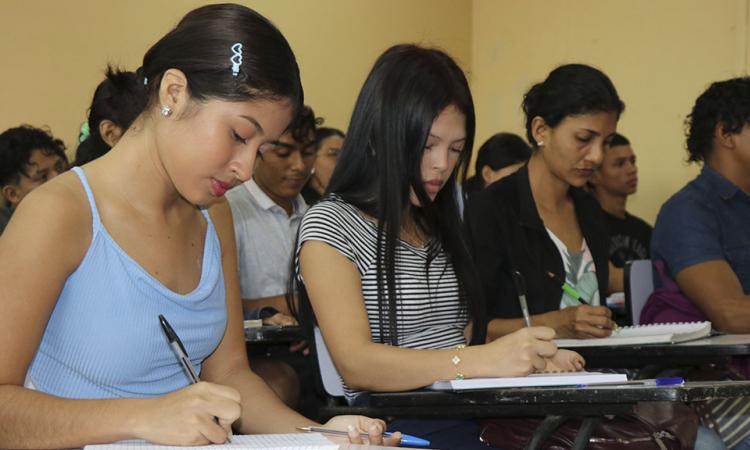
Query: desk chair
pixel 639 283
pixel 332 387
pixel 329 376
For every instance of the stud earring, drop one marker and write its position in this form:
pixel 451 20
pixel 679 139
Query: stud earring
pixel 540 143
pixel 166 111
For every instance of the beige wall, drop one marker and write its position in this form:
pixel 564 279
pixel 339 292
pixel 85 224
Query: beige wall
pixel 54 52
pixel 660 55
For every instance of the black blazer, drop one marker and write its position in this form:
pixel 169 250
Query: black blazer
pixel 505 233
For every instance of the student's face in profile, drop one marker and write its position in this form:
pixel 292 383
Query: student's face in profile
pixel 41 167
pixel 285 168
pixel 211 146
pixel 575 147
pixel 328 155
pixel 618 173
pixel 445 143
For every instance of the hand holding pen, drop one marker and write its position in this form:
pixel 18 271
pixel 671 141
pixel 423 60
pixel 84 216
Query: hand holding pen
pixel 583 320
pixel 216 398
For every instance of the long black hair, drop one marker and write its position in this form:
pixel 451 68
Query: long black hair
pixel 406 90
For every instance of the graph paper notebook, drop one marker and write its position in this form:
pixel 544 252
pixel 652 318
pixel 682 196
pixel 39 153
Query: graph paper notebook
pixel 658 333
pixel 533 380
pixel 291 441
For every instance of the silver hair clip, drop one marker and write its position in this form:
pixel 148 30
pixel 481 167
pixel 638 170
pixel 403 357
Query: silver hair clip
pixel 145 81
pixel 236 58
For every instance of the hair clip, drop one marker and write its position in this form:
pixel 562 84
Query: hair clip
pixel 236 58
pixel 145 81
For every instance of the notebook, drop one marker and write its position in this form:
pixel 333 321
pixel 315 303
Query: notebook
pixel 533 380
pixel 291 441
pixel 658 333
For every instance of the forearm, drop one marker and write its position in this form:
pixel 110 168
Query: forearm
pixel 733 316
pixel 415 368
pixel 30 419
pixel 262 410
pixel 616 280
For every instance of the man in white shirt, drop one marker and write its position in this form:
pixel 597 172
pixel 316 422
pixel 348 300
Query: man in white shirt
pixel 267 211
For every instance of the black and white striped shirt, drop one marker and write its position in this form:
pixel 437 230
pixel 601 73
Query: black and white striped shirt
pixel 428 311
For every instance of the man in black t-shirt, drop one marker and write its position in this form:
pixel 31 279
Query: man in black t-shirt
pixel 612 183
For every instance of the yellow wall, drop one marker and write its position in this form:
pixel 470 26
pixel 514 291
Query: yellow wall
pixel 54 52
pixel 660 55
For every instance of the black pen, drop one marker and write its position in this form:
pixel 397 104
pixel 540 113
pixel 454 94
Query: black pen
pixel 520 283
pixel 181 353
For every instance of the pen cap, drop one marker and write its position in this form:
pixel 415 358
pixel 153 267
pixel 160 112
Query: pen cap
pixel 519 282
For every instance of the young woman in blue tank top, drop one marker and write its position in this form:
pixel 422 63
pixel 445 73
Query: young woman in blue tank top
pixel 92 258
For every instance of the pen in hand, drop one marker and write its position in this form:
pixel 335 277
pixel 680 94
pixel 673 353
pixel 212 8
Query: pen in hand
pixel 181 353
pixel 567 288
pixel 520 283
pixel 572 292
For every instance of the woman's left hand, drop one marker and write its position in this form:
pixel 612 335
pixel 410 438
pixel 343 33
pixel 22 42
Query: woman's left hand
pixel 354 425
pixel 565 361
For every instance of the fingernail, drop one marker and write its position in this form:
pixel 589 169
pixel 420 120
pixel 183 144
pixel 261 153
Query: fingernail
pixel 350 430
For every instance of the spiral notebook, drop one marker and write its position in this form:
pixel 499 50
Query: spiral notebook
pixel 657 333
pixel 291 441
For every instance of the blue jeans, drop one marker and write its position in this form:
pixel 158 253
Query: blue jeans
pixel 446 434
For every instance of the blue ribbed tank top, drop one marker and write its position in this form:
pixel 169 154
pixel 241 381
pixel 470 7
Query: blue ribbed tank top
pixel 103 339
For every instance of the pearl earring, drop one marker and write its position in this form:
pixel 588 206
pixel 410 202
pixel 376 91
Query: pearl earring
pixel 166 111
pixel 540 143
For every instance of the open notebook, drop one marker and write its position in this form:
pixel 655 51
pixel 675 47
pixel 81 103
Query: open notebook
pixel 291 441
pixel 533 380
pixel 659 333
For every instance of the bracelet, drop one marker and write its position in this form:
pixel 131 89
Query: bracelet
pixel 456 360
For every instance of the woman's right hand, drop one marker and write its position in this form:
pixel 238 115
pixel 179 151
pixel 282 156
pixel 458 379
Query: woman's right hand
pixel 519 353
pixel 187 416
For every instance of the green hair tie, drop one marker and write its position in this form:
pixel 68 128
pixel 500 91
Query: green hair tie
pixel 84 133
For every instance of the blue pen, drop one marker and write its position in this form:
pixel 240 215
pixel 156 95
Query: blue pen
pixel 666 381
pixel 406 439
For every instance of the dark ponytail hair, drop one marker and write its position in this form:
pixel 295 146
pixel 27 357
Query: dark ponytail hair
pixel 118 98
pixel 406 90
pixel 570 90
pixel 201 46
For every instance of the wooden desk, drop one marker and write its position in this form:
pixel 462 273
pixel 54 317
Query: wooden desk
pixel 715 349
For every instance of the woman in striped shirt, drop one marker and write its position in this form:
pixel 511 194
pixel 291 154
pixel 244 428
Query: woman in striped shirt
pixel 381 261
